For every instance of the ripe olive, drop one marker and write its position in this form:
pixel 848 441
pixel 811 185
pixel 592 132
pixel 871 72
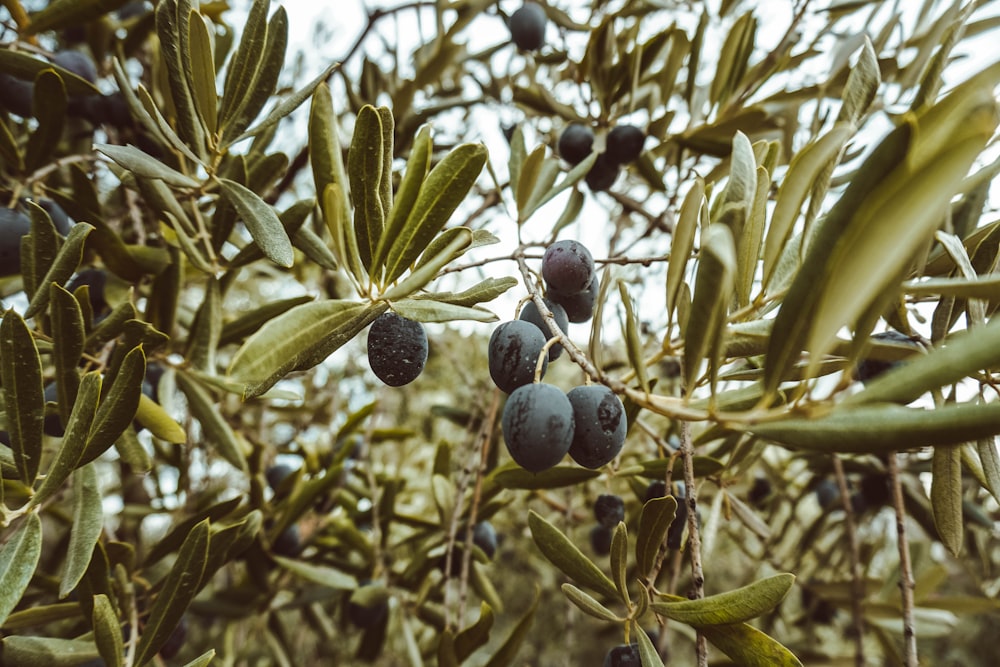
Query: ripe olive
pixel 575 143
pixel 609 510
pixel 513 354
pixel 531 314
pixel 537 426
pixel 567 267
pixel 397 349
pixel 527 27
pixel 600 425
pixel 624 144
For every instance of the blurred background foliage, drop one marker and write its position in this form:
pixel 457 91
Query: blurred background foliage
pixel 812 172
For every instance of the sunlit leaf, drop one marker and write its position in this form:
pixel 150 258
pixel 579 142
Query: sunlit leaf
pixel 18 559
pixel 736 606
pixel 88 522
pixel 566 556
pixel 262 222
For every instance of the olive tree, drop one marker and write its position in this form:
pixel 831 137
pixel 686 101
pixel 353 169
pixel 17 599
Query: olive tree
pixel 255 400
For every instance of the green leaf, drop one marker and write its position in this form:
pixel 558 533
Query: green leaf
pixel 262 222
pixel 487 290
pixel 589 605
pixel 177 534
pixel 882 427
pixel 748 646
pixel 703 467
pixel 47 651
pixel 713 289
pixel 946 496
pixel 63 266
pixel 507 651
pixel 566 556
pixel 203 339
pixel 203 660
pixel 119 406
pixel 986 287
pixel 417 166
pixel 990 460
pixel 731 607
pixel 619 561
pixel 515 477
pixel 23 394
pixel 26 68
pixel 265 76
pixel 38 250
pixel 107 631
pixel 206 99
pixel 862 85
pixel 74 441
pixel 683 241
pixel 143 164
pixel 88 522
pixel 172 30
pixel 647 652
pixel 244 63
pixel 654 521
pixel 250 321
pixel 151 415
pixel 67 345
pixel 289 104
pixel 68 13
pixel 430 266
pixel 891 208
pixel 440 194
pixel 18 559
pixel 49 102
pixel 298 339
pixel 428 310
pixel 178 590
pixel 633 345
pixel 365 161
pixel 318 574
pixel 965 354
pixel 476 635
pixel 216 430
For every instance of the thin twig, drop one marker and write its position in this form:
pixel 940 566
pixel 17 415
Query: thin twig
pixel 694 536
pixel 906 582
pixel 857 586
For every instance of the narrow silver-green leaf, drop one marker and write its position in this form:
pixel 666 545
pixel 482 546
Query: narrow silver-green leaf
pixel 262 222
pixel 429 310
pixel 244 62
pixel 151 415
pixel 172 30
pixel 63 267
pixel 748 646
pixel 145 165
pixel 990 460
pixel 18 560
pixel 318 574
pixel 27 67
pixel 619 561
pixel 683 241
pixel 430 266
pixel 589 605
pixel 565 555
pixel 289 104
pixel 298 339
pixel 417 166
pixel 265 76
pixel 713 289
pixel 440 194
pixel 796 185
pixel 119 406
pixel 736 606
pixel 946 496
pixel 74 441
pixel 881 427
pixel 107 631
pixel 963 355
pixel 67 345
pixel 206 98
pixel 633 345
pixel 178 590
pixel 49 102
pixel 487 290
pixel 365 162
pixel 216 430
pixel 654 521
pixel 23 394
pixel 862 85
pixel 27 651
pixel 88 521
pixel 204 334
